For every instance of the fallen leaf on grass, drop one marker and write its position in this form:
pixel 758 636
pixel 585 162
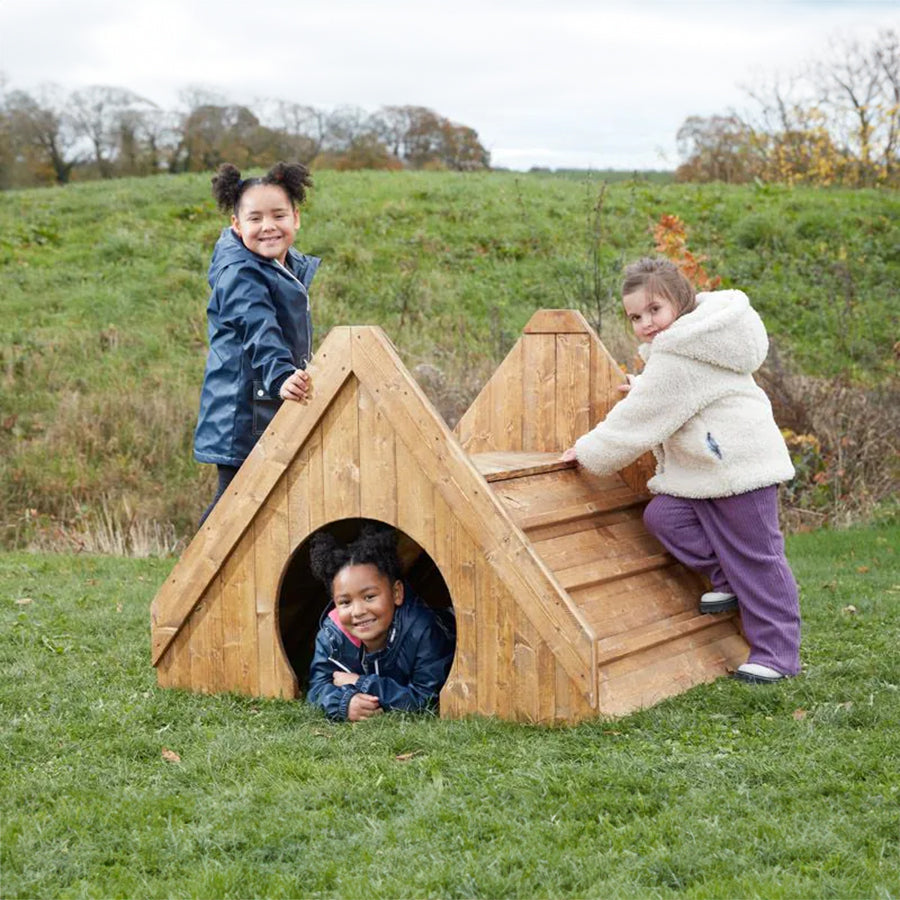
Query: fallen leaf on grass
pixel 403 757
pixel 862 569
pixel 799 714
pixel 170 755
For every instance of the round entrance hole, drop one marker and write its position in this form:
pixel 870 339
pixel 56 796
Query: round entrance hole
pixel 303 599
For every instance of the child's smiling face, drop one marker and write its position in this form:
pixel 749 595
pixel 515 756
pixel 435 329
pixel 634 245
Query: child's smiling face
pixel 365 600
pixel 649 314
pixel 267 221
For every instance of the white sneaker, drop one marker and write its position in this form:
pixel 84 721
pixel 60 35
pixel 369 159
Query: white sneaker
pixel 717 602
pixel 754 673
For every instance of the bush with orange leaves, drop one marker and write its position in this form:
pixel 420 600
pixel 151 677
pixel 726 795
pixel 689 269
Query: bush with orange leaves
pixel 670 236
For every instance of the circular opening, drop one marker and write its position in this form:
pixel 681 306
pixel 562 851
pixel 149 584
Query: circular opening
pixel 303 598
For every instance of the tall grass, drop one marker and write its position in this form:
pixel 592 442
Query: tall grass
pixel 103 295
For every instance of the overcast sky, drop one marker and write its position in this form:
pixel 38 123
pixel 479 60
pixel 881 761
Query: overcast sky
pixel 559 83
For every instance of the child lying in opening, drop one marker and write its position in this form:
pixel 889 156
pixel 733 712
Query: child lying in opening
pixel 379 647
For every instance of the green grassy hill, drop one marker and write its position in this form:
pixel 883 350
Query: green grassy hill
pixel 103 293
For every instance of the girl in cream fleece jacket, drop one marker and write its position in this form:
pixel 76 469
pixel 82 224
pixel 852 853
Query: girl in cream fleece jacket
pixel 719 454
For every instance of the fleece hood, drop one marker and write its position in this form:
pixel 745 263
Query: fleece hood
pixel 723 330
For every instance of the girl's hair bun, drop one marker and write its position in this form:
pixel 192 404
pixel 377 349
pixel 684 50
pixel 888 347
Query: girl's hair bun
pixel 228 187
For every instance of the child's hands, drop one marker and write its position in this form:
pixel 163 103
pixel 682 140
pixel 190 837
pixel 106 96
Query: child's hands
pixel 341 678
pixel 363 706
pixel 298 387
pixel 625 388
pixel 569 455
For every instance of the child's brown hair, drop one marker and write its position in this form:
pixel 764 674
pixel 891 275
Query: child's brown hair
pixel 660 277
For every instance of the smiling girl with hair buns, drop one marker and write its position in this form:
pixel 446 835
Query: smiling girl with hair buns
pixel 259 324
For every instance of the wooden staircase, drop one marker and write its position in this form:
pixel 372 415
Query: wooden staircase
pixel 650 639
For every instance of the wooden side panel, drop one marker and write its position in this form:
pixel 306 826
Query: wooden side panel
pixel 272 550
pixel 238 607
pixel 539 391
pixel 340 449
pixel 378 472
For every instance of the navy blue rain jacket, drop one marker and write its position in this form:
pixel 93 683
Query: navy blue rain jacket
pixel 406 674
pixel 260 332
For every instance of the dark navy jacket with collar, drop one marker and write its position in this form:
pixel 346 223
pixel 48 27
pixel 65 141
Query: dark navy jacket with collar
pixel 260 332
pixel 406 674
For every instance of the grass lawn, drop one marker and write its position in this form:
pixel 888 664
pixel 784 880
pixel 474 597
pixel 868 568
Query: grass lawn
pixel 110 787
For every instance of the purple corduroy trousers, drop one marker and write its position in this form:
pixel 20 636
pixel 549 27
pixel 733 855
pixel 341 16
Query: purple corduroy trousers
pixel 736 542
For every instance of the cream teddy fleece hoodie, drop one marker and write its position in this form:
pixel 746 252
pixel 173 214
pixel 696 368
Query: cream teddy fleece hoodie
pixel 697 407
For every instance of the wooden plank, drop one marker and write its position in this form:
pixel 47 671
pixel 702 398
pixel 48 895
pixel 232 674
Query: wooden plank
pixel 545 495
pixel 507 404
pixel 506 649
pixel 205 640
pixel 539 392
pixel 527 702
pixel 602 571
pixel 487 639
pixel 573 388
pixel 378 472
pixel 451 703
pixel 340 454
pixel 654 634
pixel 272 551
pixel 639 600
pixel 504 465
pixel 639 681
pixel 557 321
pixel 226 524
pixel 598 521
pixel 174 668
pixel 472 499
pixel 606 376
pixel 415 498
pixel 240 640
pixel 582 547
pixel 462 686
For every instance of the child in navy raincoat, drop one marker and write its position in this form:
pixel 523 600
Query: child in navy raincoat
pixel 260 329
pixel 379 647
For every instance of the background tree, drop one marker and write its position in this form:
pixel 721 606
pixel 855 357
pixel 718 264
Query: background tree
pixel 43 133
pixel 106 118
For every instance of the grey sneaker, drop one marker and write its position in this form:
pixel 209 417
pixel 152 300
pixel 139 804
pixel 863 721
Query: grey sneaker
pixel 717 602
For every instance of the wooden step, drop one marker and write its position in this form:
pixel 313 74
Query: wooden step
pixel 603 571
pixel 655 634
pixel 501 466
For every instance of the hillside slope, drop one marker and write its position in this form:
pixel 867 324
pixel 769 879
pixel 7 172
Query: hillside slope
pixel 103 293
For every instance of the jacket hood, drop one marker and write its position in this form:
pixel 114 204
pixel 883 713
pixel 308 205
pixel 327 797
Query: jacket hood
pixel 724 330
pixel 230 249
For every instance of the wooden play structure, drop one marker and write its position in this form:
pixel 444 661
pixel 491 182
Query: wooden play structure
pixel 566 608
